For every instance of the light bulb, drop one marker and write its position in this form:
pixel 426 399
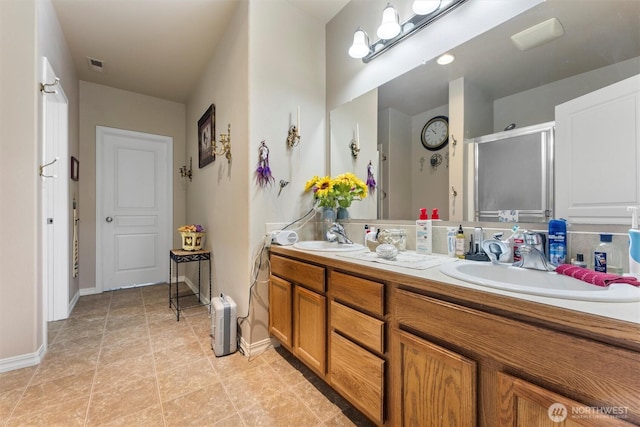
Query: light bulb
pixel 390 26
pixel 425 7
pixel 445 59
pixel 360 47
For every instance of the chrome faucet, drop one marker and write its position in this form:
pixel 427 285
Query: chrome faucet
pixel 337 232
pixel 533 258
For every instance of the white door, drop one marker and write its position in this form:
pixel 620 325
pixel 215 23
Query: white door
pixel 55 196
pixel 133 207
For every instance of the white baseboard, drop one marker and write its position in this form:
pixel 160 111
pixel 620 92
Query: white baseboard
pixel 194 288
pixel 22 361
pixel 73 303
pixel 256 348
pixel 89 291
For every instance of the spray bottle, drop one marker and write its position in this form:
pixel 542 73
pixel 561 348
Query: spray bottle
pixel 634 243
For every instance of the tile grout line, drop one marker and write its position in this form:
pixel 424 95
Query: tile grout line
pixel 95 372
pixel 153 361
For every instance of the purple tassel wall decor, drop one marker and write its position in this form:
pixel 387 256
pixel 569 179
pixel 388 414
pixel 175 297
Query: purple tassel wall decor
pixel 371 182
pixel 263 173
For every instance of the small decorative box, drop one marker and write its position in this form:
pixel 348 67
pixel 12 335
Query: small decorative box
pixel 192 240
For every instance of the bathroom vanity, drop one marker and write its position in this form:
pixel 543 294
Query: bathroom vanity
pixel 416 347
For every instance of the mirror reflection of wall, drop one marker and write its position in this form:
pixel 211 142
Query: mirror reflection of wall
pixel 356 119
pixel 601 46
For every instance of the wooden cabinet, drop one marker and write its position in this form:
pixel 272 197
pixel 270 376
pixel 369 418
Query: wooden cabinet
pixel 310 328
pixel 297 310
pixel 523 404
pixel 438 386
pixel 597 154
pixel 521 369
pixel 280 310
pixel 357 358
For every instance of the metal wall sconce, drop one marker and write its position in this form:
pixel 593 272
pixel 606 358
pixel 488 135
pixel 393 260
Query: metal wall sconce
pixel 187 173
pixel 354 145
pixel 225 142
pixel 293 136
pixel 391 32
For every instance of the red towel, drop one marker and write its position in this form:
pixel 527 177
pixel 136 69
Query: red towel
pixel 594 277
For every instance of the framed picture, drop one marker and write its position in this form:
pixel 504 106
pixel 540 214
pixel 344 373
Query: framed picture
pixel 206 134
pixel 75 168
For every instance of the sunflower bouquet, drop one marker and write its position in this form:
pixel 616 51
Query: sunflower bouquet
pixel 336 192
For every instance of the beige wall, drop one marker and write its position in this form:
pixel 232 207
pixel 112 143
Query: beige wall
pixel 21 331
pixel 217 198
pixel 105 106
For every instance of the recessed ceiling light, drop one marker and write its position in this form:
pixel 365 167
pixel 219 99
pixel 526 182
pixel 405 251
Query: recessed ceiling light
pixel 445 59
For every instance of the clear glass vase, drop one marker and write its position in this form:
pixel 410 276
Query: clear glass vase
pixel 328 218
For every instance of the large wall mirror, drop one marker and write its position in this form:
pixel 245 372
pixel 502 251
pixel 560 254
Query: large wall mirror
pixel 600 46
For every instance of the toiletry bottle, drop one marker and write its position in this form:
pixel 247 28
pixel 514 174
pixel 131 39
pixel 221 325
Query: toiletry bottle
pixel 517 240
pixel 424 238
pixel 434 214
pixel 606 257
pixel 578 261
pixel 460 243
pixel 557 241
pixel 451 242
pixel 634 243
pixel 366 231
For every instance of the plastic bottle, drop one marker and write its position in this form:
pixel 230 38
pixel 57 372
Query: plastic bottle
pixel 424 237
pixel 460 243
pixel 606 257
pixel 634 243
pixel 517 240
pixel 451 242
pixel 434 214
pixel 557 241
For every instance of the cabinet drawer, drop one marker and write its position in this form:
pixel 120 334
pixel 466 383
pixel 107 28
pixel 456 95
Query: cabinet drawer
pixel 364 329
pixel 358 375
pixel 358 292
pixel 311 276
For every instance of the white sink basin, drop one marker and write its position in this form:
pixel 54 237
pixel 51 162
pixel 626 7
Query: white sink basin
pixel 535 282
pixel 324 246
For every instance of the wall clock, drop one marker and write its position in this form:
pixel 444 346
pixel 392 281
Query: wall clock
pixel 435 133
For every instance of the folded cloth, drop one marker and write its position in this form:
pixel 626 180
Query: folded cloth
pixel 595 277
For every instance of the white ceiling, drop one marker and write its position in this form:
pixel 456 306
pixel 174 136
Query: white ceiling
pixel 597 33
pixel 154 47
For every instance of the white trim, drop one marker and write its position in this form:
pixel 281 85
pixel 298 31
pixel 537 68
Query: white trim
pixel 73 303
pixel 256 348
pixel 168 140
pixel 23 361
pixel 89 291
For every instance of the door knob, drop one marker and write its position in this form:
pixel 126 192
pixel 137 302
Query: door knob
pixel 109 219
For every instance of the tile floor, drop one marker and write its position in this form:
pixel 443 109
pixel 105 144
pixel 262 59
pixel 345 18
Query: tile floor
pixel 121 359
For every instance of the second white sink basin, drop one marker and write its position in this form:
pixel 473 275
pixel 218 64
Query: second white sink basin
pixel 324 246
pixel 535 282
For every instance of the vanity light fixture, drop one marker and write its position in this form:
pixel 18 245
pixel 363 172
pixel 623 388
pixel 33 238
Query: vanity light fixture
pixel 225 142
pixel 187 173
pixel 391 31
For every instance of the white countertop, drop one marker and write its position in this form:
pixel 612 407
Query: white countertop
pixel 625 311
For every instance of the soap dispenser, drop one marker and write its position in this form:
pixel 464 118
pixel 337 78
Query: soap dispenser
pixel 424 237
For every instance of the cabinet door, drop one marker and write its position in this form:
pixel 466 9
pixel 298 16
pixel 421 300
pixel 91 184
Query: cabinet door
pixel 523 404
pixel 597 162
pixel 280 306
pixel 310 328
pixel 437 387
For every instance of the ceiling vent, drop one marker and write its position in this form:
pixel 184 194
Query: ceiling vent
pixel 95 64
pixel 538 34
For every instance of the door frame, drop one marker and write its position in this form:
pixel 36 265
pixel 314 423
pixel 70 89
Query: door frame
pixel 100 132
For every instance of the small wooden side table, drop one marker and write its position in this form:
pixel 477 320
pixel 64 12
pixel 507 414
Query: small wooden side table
pixel 179 256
